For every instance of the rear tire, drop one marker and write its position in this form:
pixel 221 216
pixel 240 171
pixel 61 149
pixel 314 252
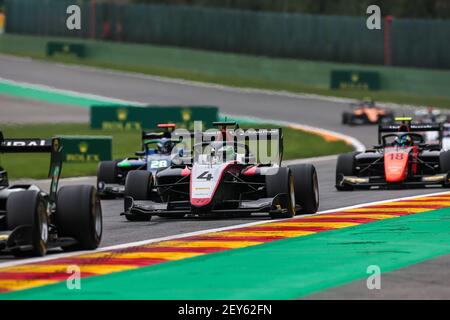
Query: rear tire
pixel 79 216
pixel 107 172
pixel 138 185
pixel 388 118
pixel 29 208
pixel 444 163
pixel 282 182
pixel 345 117
pixel 345 167
pixel 306 187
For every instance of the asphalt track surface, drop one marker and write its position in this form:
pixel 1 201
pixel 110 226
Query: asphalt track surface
pixel 323 113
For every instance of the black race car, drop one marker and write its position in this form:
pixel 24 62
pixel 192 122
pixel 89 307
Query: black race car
pixel 155 156
pixel 224 177
pixel 401 159
pixel 32 220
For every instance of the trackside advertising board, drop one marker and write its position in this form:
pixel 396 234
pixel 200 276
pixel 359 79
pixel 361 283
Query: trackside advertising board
pixel 139 118
pixel 359 80
pixel 86 148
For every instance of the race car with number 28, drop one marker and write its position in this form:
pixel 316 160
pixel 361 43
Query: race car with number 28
pixel 156 155
pixel 223 177
pixel 32 220
pixel 402 159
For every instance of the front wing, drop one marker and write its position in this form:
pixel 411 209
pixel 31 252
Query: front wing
pixel 379 181
pixel 277 204
pixel 111 190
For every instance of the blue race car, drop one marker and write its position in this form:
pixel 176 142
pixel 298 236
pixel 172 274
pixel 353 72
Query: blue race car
pixel 156 155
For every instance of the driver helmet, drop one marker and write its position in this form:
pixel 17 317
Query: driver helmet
pixel 404 140
pixel 227 152
pixel 165 146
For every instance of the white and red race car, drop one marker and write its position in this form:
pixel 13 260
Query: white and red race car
pixel 223 176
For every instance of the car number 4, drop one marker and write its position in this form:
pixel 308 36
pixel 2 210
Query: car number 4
pixel 206 176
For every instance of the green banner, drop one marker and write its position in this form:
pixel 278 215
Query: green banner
pixel 77 49
pixel 360 80
pixel 86 148
pixel 138 118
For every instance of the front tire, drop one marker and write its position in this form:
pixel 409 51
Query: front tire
pixel 138 185
pixel 444 163
pixel 29 208
pixel 306 187
pixel 345 166
pixel 282 183
pixel 79 216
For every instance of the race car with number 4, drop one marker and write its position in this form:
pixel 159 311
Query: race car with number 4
pixel 402 158
pixel 224 177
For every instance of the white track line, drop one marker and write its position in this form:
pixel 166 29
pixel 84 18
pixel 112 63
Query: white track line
pixel 201 232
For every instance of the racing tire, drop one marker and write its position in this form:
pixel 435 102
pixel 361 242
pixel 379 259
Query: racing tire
pixel 444 163
pixel 28 208
pixel 107 172
pixel 345 166
pixel 388 118
pixel 345 118
pixel 79 216
pixel 306 187
pixel 282 183
pixel 138 185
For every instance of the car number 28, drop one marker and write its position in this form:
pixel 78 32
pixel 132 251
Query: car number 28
pixel 156 164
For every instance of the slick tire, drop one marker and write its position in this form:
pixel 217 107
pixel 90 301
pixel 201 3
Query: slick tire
pixel 306 187
pixel 345 167
pixel 138 185
pixel 79 216
pixel 444 163
pixel 107 172
pixel 282 183
pixel 345 118
pixel 28 208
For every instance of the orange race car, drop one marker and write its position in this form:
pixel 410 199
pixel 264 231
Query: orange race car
pixel 401 159
pixel 367 112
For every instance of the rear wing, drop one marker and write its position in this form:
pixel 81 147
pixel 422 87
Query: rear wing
pixel 37 145
pixel 236 136
pixel 152 135
pixel 412 127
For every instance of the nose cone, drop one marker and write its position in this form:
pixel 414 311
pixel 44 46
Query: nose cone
pixel 395 165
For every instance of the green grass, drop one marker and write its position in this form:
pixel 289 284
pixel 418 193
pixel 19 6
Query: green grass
pixel 297 144
pixel 403 85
